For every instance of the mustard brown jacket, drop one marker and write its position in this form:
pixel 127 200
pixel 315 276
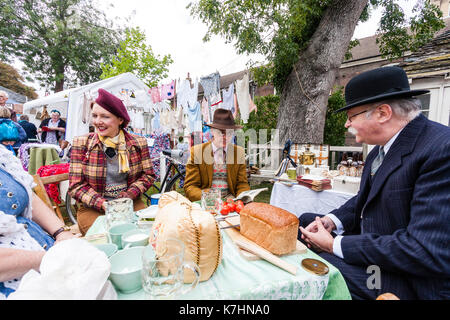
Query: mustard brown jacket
pixel 199 170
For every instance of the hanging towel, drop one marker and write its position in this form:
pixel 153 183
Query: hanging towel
pixel 168 90
pixel 243 97
pixel 156 96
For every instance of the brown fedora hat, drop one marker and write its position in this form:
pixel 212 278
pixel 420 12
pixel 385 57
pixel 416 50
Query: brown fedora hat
pixel 223 119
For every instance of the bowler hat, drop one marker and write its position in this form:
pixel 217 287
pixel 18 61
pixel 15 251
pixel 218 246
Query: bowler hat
pixel 223 119
pixel 377 85
pixel 112 104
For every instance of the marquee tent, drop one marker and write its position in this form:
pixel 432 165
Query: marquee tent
pixel 69 102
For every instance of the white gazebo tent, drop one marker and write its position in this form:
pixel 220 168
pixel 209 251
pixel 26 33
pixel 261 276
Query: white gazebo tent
pixel 69 102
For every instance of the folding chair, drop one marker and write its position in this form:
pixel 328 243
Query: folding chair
pixel 42 193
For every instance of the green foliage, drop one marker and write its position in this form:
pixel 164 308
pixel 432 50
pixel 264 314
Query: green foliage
pixel 334 131
pixel 135 56
pixel 59 41
pixel 281 29
pixel 393 36
pixel 266 116
pixel 12 80
pixel 278 29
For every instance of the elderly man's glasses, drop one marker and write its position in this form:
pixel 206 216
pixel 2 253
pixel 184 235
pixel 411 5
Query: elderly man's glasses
pixel 356 114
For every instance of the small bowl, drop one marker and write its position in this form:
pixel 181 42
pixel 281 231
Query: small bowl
pixel 126 268
pixel 135 238
pixel 116 232
pixel 108 248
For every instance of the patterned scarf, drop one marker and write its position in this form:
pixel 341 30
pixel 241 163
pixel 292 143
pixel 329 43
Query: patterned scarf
pixel 118 143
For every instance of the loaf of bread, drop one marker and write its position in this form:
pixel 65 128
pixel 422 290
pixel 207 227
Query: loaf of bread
pixel 272 228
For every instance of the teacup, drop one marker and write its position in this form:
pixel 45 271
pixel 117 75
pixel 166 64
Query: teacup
pixel 116 232
pixel 135 238
pixel 108 248
pixel 126 269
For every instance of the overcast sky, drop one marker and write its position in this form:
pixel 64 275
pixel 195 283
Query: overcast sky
pixel 170 29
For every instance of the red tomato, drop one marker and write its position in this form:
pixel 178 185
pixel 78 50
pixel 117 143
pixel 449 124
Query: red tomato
pixel 240 202
pixel 232 207
pixel 225 210
pixel 239 207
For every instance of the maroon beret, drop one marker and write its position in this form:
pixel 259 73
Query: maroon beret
pixel 113 104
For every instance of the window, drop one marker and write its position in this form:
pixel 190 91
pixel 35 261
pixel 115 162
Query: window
pixel 425 100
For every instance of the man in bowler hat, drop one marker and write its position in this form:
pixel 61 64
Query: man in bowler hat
pixel 394 235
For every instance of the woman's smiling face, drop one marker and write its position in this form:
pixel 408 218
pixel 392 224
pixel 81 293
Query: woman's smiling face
pixel 106 124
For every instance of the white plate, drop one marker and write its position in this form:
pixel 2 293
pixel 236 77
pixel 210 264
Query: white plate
pixel 149 212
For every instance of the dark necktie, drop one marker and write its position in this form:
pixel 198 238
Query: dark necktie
pixel 378 160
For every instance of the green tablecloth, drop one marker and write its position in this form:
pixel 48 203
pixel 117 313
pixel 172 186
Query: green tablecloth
pixel 238 278
pixel 42 157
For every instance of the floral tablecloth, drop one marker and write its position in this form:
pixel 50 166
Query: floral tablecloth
pixel 239 278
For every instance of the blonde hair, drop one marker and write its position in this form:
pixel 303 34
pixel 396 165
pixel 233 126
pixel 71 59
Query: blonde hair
pixel 5 112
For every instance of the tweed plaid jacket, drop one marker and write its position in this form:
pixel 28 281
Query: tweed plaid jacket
pixel 87 173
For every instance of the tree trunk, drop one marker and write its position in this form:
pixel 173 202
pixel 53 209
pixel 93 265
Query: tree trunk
pixel 304 99
pixel 59 82
pixel 59 85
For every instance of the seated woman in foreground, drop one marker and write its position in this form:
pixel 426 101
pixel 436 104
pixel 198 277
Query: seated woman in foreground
pixel 219 163
pixel 28 228
pixel 109 163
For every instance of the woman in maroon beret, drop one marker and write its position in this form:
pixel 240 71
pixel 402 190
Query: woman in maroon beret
pixel 109 163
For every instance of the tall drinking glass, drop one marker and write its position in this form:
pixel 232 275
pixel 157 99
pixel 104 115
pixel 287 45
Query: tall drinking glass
pixel 119 211
pixel 211 200
pixel 163 269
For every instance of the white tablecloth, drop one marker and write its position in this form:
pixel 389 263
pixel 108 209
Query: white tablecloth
pixel 298 199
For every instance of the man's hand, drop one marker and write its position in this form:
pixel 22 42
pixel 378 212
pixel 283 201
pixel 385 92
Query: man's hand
pixel 328 224
pixel 318 236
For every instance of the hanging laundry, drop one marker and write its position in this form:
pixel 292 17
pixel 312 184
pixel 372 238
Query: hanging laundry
pixel 192 95
pixel 252 106
pixel 195 118
pixel 138 120
pixel 187 96
pixel 205 111
pixel 236 106
pixel 179 119
pixel 228 98
pixel 87 110
pixel 242 92
pixel 168 90
pixel 215 103
pixel 210 84
pixel 156 96
pixel 161 142
pixel 156 122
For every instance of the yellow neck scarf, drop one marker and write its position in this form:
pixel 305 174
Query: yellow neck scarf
pixel 119 144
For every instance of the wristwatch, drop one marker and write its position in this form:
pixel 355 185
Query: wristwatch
pixel 62 229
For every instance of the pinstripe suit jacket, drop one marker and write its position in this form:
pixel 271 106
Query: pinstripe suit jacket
pixel 401 216
pixel 87 172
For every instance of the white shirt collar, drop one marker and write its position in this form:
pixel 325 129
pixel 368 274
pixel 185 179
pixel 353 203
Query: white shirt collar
pixel 216 148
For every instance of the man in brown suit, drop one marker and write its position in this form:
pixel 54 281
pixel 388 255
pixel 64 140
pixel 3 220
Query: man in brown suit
pixel 218 163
